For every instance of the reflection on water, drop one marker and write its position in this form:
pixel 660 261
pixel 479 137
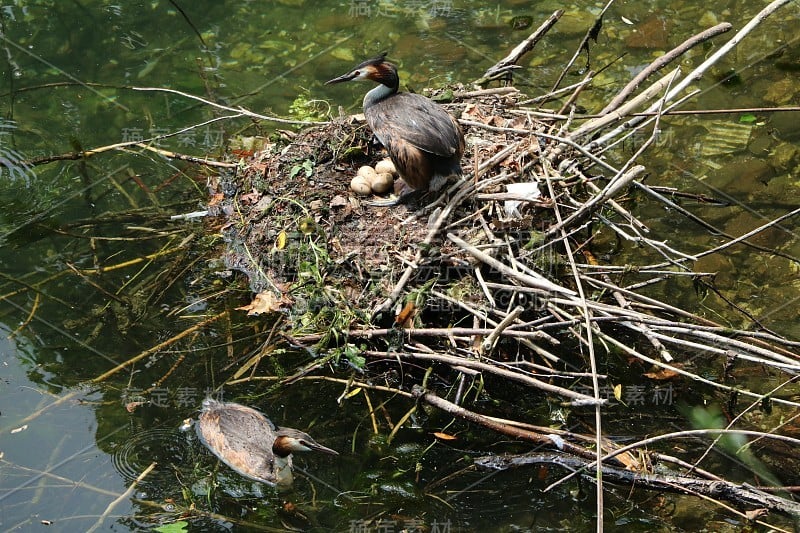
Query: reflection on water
pixel 94 272
pixel 169 448
pixel 50 465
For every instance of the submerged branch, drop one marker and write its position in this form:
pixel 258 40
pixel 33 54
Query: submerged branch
pixel 739 494
pixel 504 66
pixel 664 60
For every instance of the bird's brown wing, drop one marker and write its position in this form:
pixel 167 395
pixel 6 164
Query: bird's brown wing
pixel 242 438
pixel 411 162
pixel 418 121
pixel 249 423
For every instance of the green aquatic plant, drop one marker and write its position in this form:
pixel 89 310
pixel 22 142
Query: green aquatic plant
pixel 309 109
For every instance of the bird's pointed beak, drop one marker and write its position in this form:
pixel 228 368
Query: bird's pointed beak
pixel 346 77
pixel 317 447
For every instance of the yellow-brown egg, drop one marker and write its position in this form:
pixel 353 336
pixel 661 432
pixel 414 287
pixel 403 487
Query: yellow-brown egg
pixel 383 182
pixel 360 185
pixel 386 166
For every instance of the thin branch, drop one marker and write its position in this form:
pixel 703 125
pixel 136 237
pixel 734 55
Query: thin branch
pixel 698 72
pixel 663 61
pixel 239 110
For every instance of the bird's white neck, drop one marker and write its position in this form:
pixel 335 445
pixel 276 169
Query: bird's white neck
pixel 377 94
pixel 283 470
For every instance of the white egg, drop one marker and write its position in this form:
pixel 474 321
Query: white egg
pixel 383 182
pixel 360 185
pixel 386 166
pixel 367 171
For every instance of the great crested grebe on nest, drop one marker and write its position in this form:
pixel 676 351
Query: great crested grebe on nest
pixel 424 141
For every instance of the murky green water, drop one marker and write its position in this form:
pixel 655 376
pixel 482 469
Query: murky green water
pixel 71 78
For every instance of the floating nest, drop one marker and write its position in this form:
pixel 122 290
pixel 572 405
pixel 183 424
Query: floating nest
pixel 489 246
pixel 494 275
pixel 292 224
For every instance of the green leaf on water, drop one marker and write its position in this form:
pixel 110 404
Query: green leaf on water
pixel 747 118
pixel 175 527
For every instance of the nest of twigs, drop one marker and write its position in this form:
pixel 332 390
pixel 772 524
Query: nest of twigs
pixel 494 275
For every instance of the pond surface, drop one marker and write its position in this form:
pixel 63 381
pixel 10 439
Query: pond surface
pixel 116 320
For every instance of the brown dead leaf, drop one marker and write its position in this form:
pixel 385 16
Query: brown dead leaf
pixel 405 318
pixel 590 257
pixel 512 165
pixel 250 198
pixel 755 514
pixel 496 121
pixel 264 302
pixel 661 374
pixel 259 167
pixel 216 199
pixel 444 436
pixel 518 122
pixel 630 461
pixel 470 111
pixel 339 201
pixel 132 406
pixel 473 112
